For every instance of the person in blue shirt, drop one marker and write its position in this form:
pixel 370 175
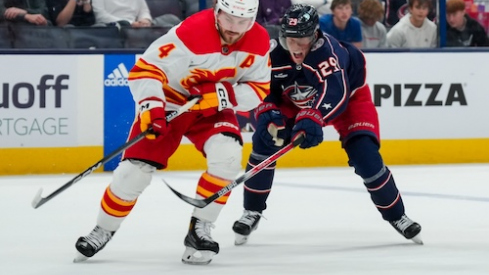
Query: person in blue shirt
pixel 341 24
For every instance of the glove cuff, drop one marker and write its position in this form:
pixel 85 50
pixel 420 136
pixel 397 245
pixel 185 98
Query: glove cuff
pixel 312 114
pixel 149 104
pixel 225 95
pixel 265 107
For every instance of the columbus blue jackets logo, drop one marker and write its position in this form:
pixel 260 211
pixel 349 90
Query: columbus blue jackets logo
pixel 301 95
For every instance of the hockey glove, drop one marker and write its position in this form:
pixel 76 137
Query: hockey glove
pixel 310 122
pixel 270 124
pixel 152 113
pixel 215 97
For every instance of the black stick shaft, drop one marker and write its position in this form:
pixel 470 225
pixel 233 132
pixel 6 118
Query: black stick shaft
pixel 39 200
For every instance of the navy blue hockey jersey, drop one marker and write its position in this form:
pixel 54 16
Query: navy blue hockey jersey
pixel 330 73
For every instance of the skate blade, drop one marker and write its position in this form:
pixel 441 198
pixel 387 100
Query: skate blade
pixel 79 258
pixel 193 256
pixel 417 239
pixel 240 239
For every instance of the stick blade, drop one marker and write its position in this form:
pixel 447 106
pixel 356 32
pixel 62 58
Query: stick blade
pixel 36 202
pixel 195 202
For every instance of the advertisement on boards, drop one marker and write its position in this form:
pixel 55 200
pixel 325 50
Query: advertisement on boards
pixel 119 107
pixel 430 95
pixel 38 104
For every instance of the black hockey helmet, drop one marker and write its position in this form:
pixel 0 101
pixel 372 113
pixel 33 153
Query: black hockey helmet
pixel 299 20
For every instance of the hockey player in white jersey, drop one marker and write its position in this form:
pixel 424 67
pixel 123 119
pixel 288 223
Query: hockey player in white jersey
pixel 220 55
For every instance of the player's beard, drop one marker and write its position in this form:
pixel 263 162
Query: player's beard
pixel 230 37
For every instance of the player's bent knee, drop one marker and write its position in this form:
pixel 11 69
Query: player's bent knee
pixel 224 155
pixel 131 177
pixel 364 156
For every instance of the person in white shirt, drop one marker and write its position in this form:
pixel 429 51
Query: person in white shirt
pixel 134 13
pixel 414 30
pixel 373 32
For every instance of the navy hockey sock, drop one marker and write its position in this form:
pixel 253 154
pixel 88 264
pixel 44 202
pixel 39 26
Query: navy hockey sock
pixel 385 195
pixel 364 156
pixel 257 189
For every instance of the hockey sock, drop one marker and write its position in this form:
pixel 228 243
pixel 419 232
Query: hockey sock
pixel 385 195
pixel 257 189
pixel 364 156
pixel 114 206
pixel 209 184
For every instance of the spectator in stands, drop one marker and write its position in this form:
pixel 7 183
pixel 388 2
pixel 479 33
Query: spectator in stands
pixel 373 32
pixel 414 30
pixel 396 9
pixel 270 12
pixel 134 13
pixel 71 12
pixel 341 24
pixel 24 11
pixel 462 30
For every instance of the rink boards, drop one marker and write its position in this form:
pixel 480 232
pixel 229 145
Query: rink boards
pixel 66 114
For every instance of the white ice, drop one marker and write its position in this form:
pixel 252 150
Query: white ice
pixel 319 221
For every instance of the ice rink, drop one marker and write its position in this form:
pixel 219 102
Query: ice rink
pixel 318 221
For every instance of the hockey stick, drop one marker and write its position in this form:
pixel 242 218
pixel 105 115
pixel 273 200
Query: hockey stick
pixel 39 200
pixel 201 203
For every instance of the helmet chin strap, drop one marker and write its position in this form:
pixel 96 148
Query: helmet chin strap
pixel 219 30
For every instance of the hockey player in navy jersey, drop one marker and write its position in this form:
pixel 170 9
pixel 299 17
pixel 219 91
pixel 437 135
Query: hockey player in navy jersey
pixel 318 81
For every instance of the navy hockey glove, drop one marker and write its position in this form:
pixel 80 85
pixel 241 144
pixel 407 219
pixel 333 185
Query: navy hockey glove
pixel 152 113
pixel 215 97
pixel 310 122
pixel 270 124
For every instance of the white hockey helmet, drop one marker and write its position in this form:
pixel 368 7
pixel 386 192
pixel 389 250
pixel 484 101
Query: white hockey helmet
pixel 240 8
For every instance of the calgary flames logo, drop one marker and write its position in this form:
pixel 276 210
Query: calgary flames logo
pixel 302 96
pixel 201 76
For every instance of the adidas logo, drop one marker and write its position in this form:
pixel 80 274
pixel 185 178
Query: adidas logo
pixel 118 77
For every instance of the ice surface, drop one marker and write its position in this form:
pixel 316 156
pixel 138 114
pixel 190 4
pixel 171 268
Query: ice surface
pixel 318 221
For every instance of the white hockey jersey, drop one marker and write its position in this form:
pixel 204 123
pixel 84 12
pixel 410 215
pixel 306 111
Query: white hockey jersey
pixel 191 53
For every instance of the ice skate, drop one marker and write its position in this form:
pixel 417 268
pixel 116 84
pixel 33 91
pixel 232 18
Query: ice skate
pixel 89 245
pixel 200 247
pixel 409 229
pixel 245 225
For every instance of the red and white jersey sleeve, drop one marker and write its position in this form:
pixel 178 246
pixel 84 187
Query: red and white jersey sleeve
pixel 191 53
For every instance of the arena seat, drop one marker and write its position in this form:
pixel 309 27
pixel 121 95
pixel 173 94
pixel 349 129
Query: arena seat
pixel 141 38
pixel 5 37
pixel 38 37
pixel 95 38
pixel 160 7
pixel 192 6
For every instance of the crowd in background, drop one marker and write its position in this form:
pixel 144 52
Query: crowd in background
pixel 364 23
pixel 391 23
pixel 73 13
